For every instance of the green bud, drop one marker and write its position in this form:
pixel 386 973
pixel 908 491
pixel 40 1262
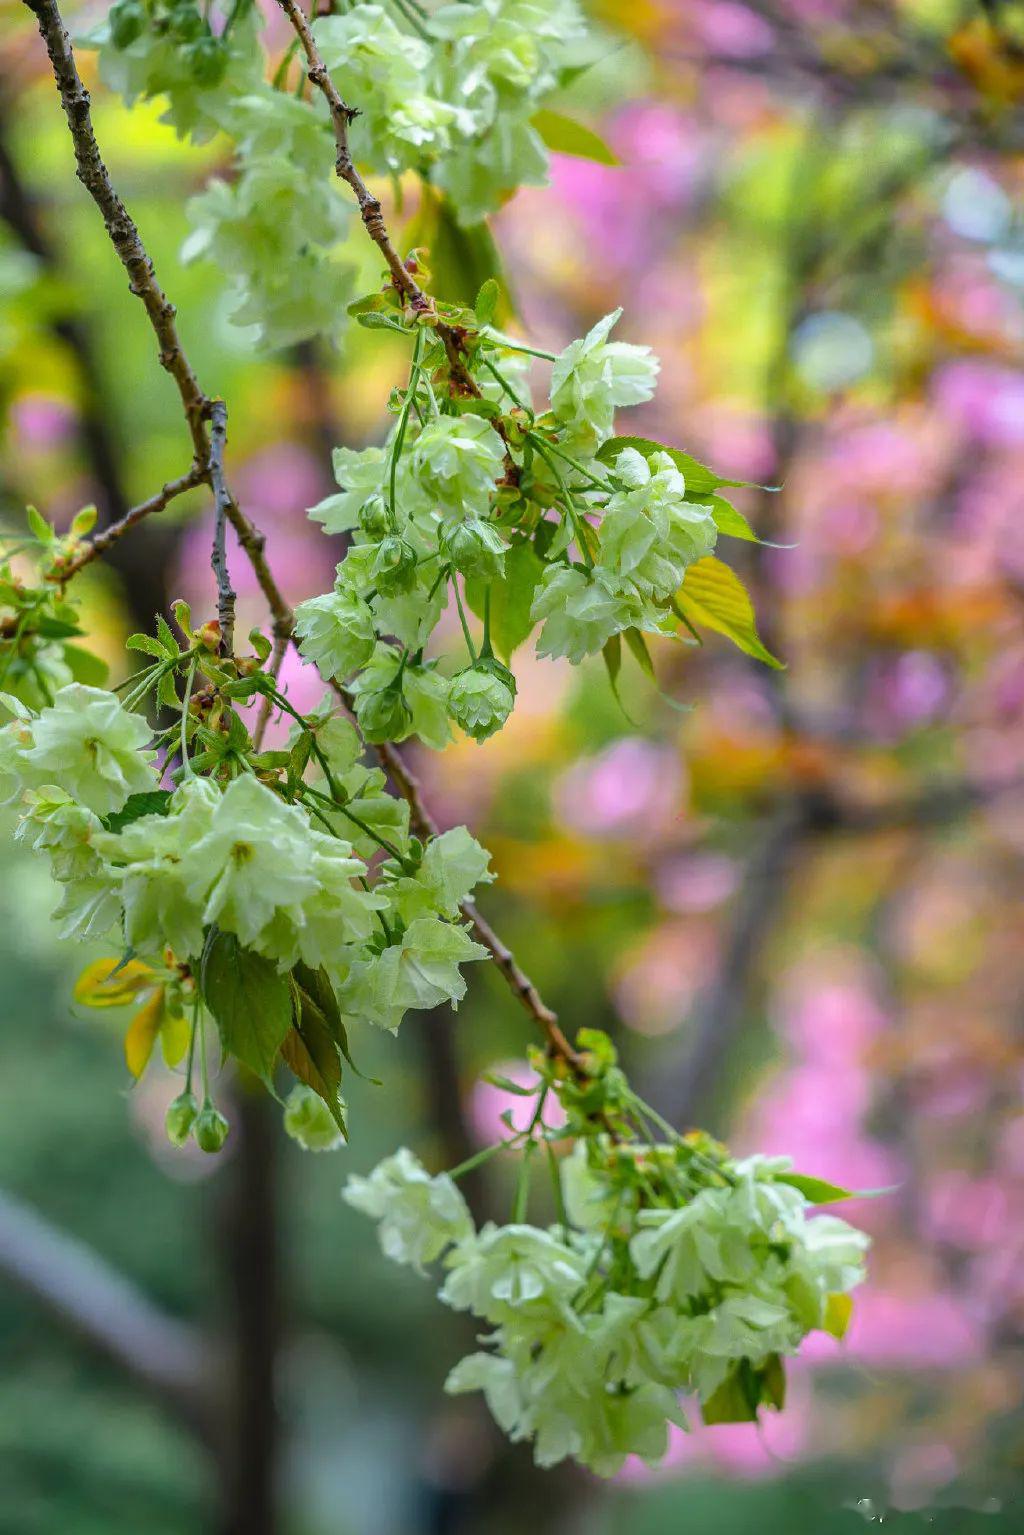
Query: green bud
pixel 181 1116
pixel 383 716
pixel 475 548
pixel 373 517
pixel 209 59
pixel 481 698
pixel 186 23
pixel 308 1120
pixel 126 23
pixel 394 568
pixel 210 1129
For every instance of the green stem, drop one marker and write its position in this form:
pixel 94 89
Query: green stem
pixel 567 502
pixel 516 346
pixel 505 385
pixel 403 421
pixel 462 618
pixel 190 1062
pixel 189 681
pixel 522 1199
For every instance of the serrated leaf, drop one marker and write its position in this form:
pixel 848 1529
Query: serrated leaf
pixel 151 802
pixel 373 320
pixel 714 595
pixel 85 667
pixel 730 521
pixel 566 136
pixel 149 646
pixel 165 635
pixel 141 1034
pixel 486 306
pixel 511 598
pixel 167 692
pixel 250 1000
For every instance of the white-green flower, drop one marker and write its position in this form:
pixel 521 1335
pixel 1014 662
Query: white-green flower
pixel 92 747
pixel 505 1270
pixel 148 860
pixel 420 970
pixel 419 1215
pixel 456 461
pixel 581 610
pixel 253 859
pixel 650 534
pixel 336 633
pixel 361 477
pixel 308 1120
pixel 594 377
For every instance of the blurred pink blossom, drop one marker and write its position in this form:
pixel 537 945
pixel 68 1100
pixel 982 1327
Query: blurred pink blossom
pixel 985 399
pixel 916 1331
pixel 487 1103
pixel 41 421
pixel 632 788
pixel 696 882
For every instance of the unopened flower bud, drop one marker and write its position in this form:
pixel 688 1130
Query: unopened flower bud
pixel 383 716
pixel 475 548
pixel 481 698
pixel 373 517
pixel 181 1116
pixel 210 1129
pixel 394 569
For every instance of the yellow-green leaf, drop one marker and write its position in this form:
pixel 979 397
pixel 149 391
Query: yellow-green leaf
pixel 141 1033
pixel 108 983
pixel 714 595
pixel 568 137
pixel 175 1031
pixel 838 1313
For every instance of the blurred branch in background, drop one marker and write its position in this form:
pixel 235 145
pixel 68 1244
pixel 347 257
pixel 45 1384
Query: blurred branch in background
pixel 83 1294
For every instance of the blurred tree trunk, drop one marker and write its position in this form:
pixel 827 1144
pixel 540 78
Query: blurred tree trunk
pixel 247 1234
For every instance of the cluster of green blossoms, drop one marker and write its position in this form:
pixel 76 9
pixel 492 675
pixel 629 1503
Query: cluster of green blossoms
pixel 449 94
pixel 530 518
pixel 671 1270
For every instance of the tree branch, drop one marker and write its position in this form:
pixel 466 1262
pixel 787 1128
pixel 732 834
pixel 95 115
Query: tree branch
pixel 222 499
pixel 103 540
pixel 199 407
pixel 104 1309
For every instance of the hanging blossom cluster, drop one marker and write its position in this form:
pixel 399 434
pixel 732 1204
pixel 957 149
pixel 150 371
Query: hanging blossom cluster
pixel 671 1270
pixel 532 519
pixel 261 903
pixel 450 94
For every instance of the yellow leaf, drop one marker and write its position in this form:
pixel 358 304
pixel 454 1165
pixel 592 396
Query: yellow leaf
pixel 141 1034
pixel 175 1031
pixel 103 984
pixel 714 595
pixel 838 1311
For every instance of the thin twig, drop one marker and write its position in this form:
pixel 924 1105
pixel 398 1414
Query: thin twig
pixel 222 500
pixel 102 541
pixel 370 211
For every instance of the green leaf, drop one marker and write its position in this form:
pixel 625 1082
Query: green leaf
pixel 736 1400
pixel 511 598
pixel 638 649
pixel 38 525
pixel 817 1191
pixel 166 637
pixel 152 802
pixel 149 646
pixel 773 1382
pixel 568 137
pixel 374 321
pixel 55 628
pixel 319 997
pixel 167 692
pixel 838 1314
pixel 311 1052
pixel 730 521
pixel 486 306
pixel 85 667
pixel 249 998
pixel 507 1085
pixel 714 595
pixel 701 481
